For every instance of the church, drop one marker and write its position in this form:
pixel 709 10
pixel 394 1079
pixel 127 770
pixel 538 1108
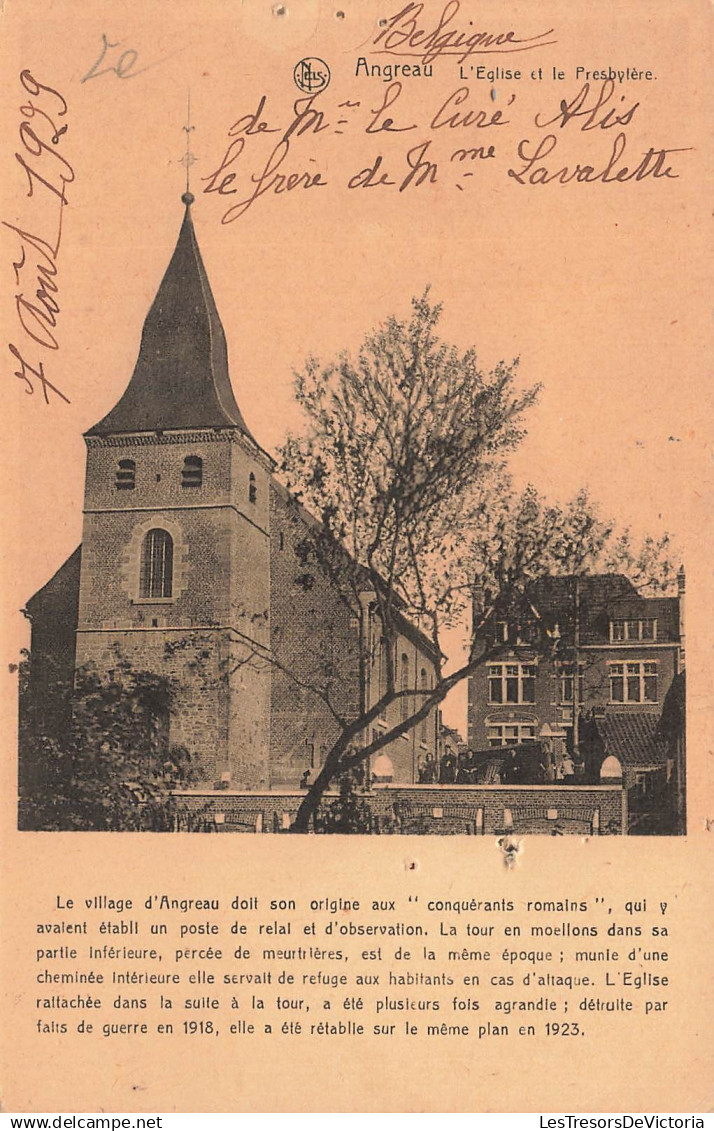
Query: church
pixel 190 566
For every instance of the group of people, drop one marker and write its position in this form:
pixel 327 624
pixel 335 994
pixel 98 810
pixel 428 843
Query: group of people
pixel 517 765
pixel 509 765
pixel 558 770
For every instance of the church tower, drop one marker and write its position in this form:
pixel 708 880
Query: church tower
pixel 175 572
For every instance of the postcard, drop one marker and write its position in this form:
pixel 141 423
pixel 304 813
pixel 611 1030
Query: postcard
pixel 357 593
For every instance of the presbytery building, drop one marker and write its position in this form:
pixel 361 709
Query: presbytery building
pixel 589 669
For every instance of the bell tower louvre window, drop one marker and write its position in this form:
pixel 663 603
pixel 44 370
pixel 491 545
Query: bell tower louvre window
pixel 157 565
pixel 125 475
pixel 192 473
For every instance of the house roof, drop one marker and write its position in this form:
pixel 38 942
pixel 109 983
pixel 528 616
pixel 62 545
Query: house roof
pixel 665 610
pixel 597 590
pixel 554 599
pixel 603 597
pixel 632 737
pixel 181 378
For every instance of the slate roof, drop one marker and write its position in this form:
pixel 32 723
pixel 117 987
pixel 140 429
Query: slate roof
pixel 62 586
pixel 554 599
pixel 632 737
pixel 181 379
pixel 665 610
pixel 603 597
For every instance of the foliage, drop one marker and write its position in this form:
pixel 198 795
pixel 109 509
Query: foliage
pixel 395 441
pixel 403 458
pixel 520 537
pixel 349 813
pixel 112 769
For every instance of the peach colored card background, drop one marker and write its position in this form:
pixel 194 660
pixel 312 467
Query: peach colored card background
pixel 601 290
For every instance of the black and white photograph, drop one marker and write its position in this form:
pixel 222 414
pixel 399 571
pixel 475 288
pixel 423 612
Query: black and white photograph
pixel 248 641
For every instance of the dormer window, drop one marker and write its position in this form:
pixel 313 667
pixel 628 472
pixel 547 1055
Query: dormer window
pixel 125 475
pixel 252 489
pixel 192 473
pixel 644 628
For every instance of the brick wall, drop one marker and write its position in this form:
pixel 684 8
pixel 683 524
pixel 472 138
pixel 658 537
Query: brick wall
pixel 313 636
pixel 239 590
pixel 312 627
pixel 548 706
pixel 437 810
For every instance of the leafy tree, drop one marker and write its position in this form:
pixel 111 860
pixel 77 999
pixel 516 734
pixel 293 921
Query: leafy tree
pixel 112 769
pixel 403 461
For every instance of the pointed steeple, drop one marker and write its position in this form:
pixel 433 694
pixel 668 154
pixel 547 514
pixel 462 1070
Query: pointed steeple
pixel 181 378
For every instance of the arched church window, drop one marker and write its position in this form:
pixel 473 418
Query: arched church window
pixel 424 683
pixel 192 474
pixel 157 565
pixel 404 685
pixel 382 672
pixel 383 769
pixel 125 475
pixel 252 489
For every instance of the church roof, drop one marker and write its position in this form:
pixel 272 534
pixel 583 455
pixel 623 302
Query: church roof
pixel 62 587
pixel 181 378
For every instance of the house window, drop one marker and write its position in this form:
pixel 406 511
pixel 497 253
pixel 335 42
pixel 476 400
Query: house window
pixel 641 629
pixel 566 683
pixel 403 686
pixel 125 475
pixel 252 489
pixel 511 734
pixel 192 473
pixel 633 682
pixel 525 632
pixel 511 683
pixel 157 565
pixel 645 782
pixel 500 632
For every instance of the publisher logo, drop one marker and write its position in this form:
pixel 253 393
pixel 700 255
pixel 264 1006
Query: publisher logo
pixel 312 75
